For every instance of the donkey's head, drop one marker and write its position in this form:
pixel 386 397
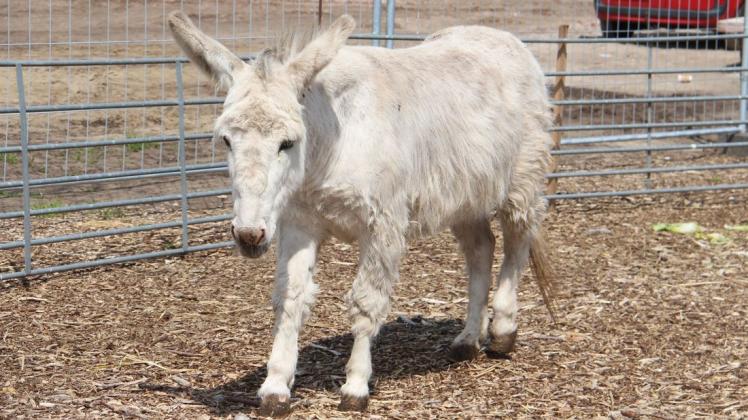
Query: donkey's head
pixel 262 124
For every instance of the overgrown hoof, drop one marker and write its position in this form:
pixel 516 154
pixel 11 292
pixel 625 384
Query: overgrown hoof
pixel 275 406
pixel 462 351
pixel 502 345
pixel 351 403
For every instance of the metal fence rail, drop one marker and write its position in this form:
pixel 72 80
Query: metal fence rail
pixel 108 102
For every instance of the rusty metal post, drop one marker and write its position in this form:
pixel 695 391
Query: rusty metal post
pixel 319 13
pixel 558 94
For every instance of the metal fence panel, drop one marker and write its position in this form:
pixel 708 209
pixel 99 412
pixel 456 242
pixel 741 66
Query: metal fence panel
pixel 101 121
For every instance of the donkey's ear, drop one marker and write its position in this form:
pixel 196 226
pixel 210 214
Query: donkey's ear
pixel 209 55
pixel 320 51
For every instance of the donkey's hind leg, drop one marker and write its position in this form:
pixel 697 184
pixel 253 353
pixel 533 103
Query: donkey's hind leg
pixel 477 243
pixel 521 230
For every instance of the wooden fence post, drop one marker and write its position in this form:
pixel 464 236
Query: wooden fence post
pixel 558 93
pixel 319 14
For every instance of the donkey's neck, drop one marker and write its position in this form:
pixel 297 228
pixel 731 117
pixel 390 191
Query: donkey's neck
pixel 323 127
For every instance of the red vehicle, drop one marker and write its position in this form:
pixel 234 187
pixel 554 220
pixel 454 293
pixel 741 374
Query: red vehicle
pixel 619 18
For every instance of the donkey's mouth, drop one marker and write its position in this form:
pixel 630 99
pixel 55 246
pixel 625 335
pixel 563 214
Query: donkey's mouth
pixel 252 251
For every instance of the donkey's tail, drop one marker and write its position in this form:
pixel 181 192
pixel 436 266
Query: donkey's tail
pixel 543 272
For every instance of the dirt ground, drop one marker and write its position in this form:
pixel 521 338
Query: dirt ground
pixel 651 325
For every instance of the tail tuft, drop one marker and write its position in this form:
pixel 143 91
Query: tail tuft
pixel 544 276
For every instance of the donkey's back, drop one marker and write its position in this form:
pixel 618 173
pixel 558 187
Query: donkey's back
pixel 462 118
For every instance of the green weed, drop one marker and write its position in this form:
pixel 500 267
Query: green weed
pixel 11 158
pixel 9 194
pixel 79 155
pixel 111 213
pixel 49 204
pixel 139 147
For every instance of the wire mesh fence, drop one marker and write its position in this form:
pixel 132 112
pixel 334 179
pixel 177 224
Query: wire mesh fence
pixel 105 132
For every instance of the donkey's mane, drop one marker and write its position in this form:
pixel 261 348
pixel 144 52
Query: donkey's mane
pixel 287 46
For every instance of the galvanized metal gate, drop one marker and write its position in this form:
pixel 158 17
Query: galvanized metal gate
pixel 102 116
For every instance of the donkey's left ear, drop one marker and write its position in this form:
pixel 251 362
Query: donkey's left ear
pixel 318 53
pixel 209 55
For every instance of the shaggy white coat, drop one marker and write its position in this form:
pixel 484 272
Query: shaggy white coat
pixel 387 145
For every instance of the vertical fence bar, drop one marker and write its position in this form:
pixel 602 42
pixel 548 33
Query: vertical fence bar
pixel 743 75
pixel 390 22
pixel 650 116
pixel 559 93
pixel 182 158
pixel 376 21
pixel 25 171
pixel 319 13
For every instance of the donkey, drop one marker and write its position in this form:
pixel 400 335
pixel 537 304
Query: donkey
pixel 381 146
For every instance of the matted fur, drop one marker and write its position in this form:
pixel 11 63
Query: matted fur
pixel 380 146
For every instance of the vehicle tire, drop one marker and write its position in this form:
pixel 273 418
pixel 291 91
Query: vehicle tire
pixel 615 29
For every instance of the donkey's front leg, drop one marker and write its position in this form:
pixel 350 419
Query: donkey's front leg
pixel 369 303
pixel 293 298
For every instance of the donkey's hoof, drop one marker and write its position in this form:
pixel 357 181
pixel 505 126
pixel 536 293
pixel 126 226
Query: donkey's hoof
pixel 275 406
pixel 351 403
pixel 502 345
pixel 463 351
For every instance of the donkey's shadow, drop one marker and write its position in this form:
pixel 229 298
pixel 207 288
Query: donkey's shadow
pixel 404 347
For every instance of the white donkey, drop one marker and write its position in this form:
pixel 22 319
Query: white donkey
pixel 378 146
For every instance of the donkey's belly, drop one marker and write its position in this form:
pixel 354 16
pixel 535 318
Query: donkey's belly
pixel 430 217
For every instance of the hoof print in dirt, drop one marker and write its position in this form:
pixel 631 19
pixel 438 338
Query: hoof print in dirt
pixel 462 352
pixel 351 403
pixel 274 406
pixel 501 346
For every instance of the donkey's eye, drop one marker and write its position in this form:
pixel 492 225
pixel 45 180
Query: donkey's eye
pixel 226 141
pixel 287 144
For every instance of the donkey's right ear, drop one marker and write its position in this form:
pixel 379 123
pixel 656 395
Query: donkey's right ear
pixel 209 55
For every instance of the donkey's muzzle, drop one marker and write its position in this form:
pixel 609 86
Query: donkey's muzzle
pixel 251 241
pixel 248 236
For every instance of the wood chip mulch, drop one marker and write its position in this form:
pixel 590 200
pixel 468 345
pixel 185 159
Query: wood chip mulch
pixel 651 325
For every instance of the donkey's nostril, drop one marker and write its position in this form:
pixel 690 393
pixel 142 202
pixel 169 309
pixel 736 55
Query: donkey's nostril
pixel 249 236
